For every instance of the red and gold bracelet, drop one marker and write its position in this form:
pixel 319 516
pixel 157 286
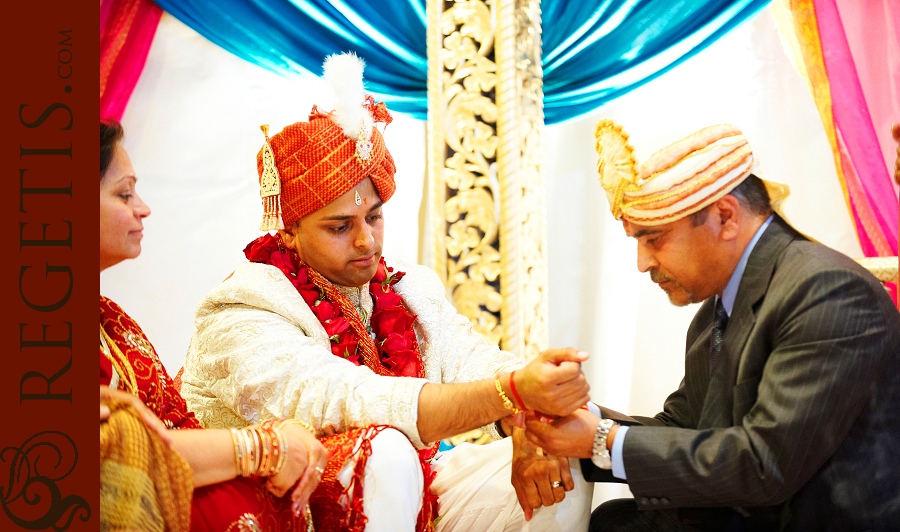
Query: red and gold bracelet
pixel 275 453
pixel 512 386
pixel 267 447
pixel 506 402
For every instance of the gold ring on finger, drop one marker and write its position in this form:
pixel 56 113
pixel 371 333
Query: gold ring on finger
pixel 556 484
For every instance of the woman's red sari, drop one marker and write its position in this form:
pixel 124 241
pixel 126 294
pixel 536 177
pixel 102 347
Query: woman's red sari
pixel 242 504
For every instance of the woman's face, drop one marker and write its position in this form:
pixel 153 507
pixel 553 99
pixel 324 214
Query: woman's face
pixel 122 212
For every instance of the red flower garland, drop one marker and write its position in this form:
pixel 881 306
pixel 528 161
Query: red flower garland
pixel 395 338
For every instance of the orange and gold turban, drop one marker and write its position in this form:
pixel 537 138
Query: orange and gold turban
pixel 307 165
pixel 678 180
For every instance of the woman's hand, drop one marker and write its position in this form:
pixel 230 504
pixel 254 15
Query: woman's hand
pixel 149 418
pixel 303 469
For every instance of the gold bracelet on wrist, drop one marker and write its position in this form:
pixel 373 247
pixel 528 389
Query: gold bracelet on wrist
pixel 243 451
pixel 267 462
pixel 506 402
pixel 252 453
pixel 283 450
pixel 261 451
pixel 290 421
pixel 238 451
pixel 276 446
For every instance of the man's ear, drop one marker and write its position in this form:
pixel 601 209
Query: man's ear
pixel 728 217
pixel 288 235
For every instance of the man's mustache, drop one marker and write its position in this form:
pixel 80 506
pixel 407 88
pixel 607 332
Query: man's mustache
pixel 373 251
pixel 658 277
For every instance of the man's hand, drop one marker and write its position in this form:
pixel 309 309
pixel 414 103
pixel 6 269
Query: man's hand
pixel 895 131
pixel 149 418
pixel 533 475
pixel 572 435
pixel 553 383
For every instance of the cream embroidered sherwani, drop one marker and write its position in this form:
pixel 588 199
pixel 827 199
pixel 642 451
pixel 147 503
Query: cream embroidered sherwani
pixel 259 352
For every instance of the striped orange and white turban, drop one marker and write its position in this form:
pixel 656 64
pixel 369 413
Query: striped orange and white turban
pixel 678 180
pixel 307 165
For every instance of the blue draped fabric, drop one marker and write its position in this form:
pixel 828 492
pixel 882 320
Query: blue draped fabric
pixel 593 50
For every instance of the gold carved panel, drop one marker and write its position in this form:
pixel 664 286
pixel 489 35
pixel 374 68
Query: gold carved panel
pixel 483 214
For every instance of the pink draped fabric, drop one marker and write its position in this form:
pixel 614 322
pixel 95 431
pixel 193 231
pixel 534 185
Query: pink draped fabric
pixel 850 51
pixel 873 197
pixel 872 28
pixel 127 28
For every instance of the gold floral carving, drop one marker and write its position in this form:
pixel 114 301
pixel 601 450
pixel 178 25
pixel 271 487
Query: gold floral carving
pixel 484 224
pixel 523 231
pixel 885 269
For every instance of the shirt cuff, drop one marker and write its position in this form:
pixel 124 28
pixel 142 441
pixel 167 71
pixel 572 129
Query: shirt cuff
pixel 404 408
pixel 618 462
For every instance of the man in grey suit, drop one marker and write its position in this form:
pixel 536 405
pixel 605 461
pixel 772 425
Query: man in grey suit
pixel 788 416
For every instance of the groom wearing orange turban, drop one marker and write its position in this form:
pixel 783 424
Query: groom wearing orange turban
pixel 320 328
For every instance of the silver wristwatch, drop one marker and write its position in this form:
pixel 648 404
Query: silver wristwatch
pixel 600 455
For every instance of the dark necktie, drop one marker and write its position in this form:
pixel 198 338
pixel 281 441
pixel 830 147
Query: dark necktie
pixel 718 334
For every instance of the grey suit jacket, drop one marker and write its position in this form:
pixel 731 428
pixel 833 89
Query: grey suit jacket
pixel 802 413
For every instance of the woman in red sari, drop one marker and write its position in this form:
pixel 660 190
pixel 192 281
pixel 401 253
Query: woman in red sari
pixel 152 476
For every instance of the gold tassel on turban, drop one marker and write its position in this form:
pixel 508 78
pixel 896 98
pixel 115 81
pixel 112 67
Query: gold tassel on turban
pixel 319 160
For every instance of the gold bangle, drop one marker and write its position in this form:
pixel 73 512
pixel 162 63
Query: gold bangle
pixel 265 452
pixel 258 449
pixel 238 451
pixel 252 457
pixel 506 402
pixel 279 445
pixel 276 445
pixel 243 451
pixel 289 421
pixel 281 450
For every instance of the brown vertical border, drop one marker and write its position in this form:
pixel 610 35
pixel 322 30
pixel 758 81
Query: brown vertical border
pixel 39 64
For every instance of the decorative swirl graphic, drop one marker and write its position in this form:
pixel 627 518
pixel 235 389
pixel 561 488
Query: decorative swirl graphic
pixel 32 499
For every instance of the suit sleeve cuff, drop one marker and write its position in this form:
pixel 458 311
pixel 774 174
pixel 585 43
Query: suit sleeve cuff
pixel 618 462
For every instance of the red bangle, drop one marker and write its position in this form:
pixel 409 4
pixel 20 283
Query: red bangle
pixel 512 387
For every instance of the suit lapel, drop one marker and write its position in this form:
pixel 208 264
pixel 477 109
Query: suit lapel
pixel 717 405
pixel 755 283
pixel 696 365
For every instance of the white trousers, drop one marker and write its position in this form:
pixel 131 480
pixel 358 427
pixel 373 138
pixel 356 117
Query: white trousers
pixel 473 486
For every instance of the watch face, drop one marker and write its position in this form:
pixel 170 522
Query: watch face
pixel 600 456
pixel 603 462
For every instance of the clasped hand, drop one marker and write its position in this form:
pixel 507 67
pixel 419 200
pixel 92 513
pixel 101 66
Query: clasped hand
pixel 553 383
pixel 538 478
pixel 550 385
